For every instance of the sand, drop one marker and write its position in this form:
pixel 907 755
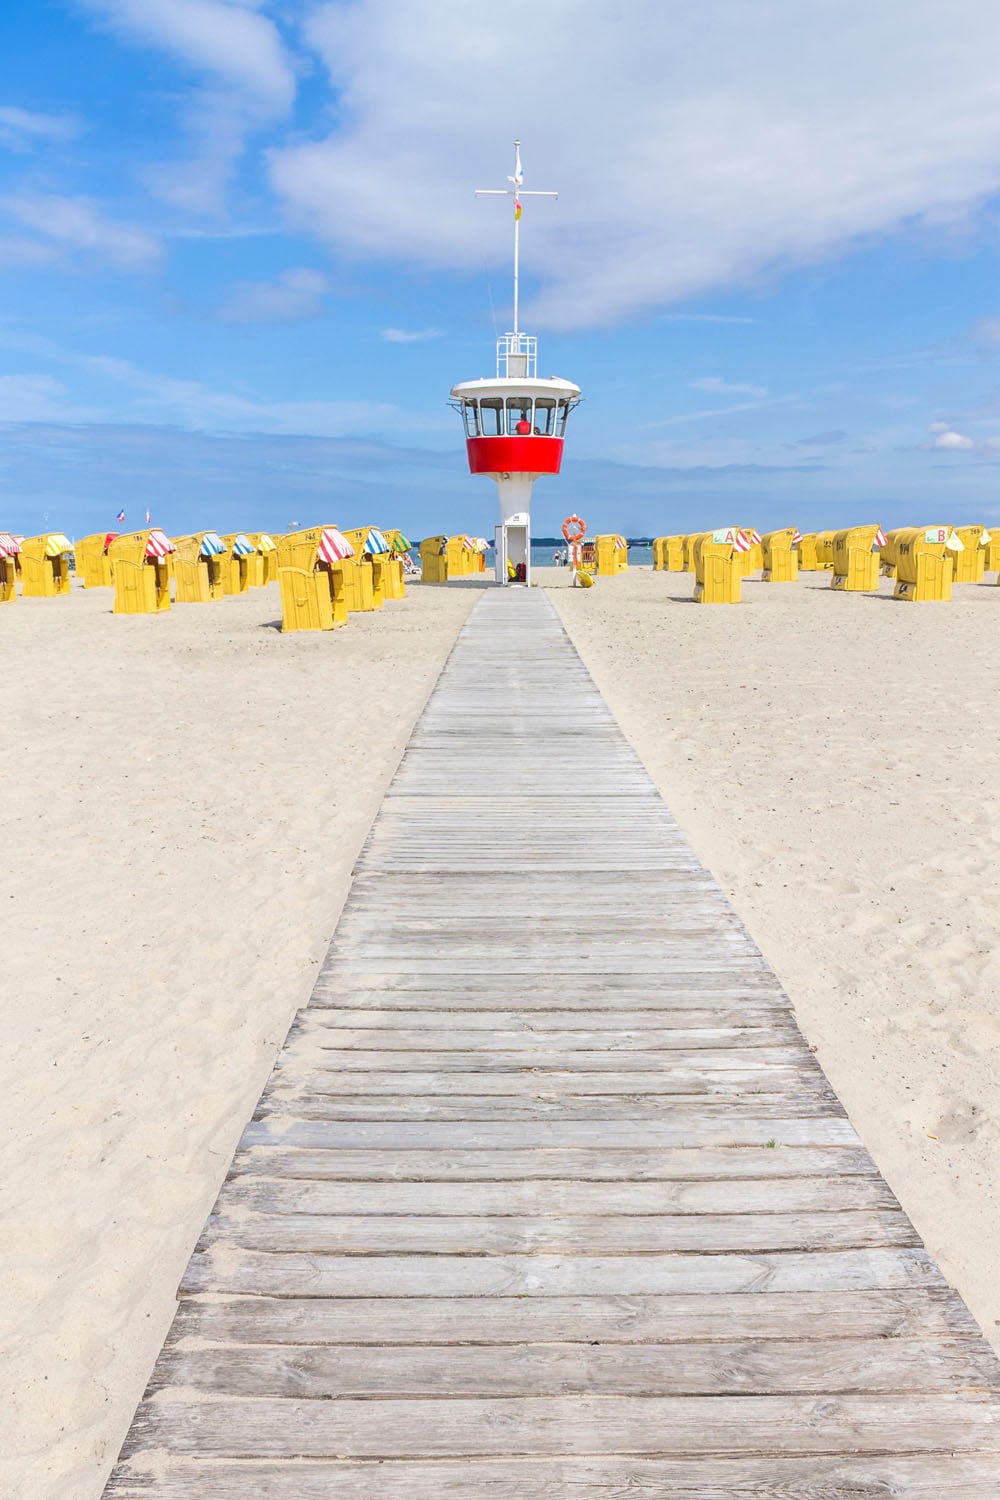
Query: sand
pixel 833 759
pixel 184 797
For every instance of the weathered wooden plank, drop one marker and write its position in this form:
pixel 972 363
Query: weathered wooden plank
pixel 229 1269
pixel 678 1425
pixel 364 1056
pixel 873 1477
pixel 321 1078
pixel 759 1105
pixel 701 1004
pixel 744 1018
pixel 924 1312
pixel 593 1164
pixel 688 1130
pixel 327 1082
pixel 624 1234
pixel 837 1366
pixel 777 1195
pixel 330 1031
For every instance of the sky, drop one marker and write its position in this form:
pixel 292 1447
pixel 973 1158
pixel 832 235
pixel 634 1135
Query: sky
pixel 242 263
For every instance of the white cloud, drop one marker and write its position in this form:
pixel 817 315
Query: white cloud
pixel 953 440
pixel 21 129
pixel 987 332
pixel 16 252
pixel 295 296
pixel 227 38
pixel 694 146
pixel 167 399
pixel 704 318
pixel 726 387
pixel 39 398
pixel 938 427
pixel 78 224
pixel 248 82
pixel 402 336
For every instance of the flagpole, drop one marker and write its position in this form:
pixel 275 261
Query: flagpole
pixel 517 260
pixel 517 192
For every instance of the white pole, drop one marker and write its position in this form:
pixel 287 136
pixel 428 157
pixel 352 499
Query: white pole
pixel 517 254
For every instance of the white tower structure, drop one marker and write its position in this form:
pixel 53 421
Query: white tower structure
pixel 515 423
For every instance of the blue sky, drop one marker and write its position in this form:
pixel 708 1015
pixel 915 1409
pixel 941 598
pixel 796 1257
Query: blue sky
pixel 241 263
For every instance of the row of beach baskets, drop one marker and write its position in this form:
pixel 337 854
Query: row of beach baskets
pixel 324 573
pixel 924 561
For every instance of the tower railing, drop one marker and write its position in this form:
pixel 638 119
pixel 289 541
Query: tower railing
pixel 517 356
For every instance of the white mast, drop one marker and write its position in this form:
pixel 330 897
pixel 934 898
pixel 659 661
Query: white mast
pixel 516 192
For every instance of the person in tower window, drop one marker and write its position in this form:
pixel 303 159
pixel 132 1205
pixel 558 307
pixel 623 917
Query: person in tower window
pixel 523 428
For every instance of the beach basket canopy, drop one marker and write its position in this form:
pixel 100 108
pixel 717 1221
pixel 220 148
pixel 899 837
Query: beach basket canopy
pixel 333 547
pixel 243 546
pixel 399 542
pixel 158 544
pixel 375 542
pixel 57 544
pixel 266 543
pixel 9 545
pixel 468 544
pixel 212 544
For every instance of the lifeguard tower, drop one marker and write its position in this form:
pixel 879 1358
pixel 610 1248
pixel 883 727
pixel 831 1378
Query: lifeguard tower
pixel 515 422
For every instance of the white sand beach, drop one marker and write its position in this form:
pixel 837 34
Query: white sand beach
pixel 833 759
pixel 184 797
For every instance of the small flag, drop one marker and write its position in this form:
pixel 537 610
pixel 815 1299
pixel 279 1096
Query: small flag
pixel 879 538
pixel 120 517
pixel 147 518
pixel 517 209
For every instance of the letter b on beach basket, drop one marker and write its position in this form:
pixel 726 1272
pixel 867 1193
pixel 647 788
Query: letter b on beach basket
pixel 924 563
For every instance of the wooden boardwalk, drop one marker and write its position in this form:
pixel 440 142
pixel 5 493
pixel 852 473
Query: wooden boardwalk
pixel 546 1196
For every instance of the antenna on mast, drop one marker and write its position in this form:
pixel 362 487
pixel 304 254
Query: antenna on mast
pixel 517 192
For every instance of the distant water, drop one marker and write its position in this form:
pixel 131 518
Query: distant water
pixel 541 557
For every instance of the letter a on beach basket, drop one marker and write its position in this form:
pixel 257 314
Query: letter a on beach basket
pixel 718 567
pixel 9 549
pixel 856 559
pixel 140 571
pixel 45 565
pixel 311 568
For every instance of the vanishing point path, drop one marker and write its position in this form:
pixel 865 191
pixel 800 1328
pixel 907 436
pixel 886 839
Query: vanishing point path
pixel 546 1196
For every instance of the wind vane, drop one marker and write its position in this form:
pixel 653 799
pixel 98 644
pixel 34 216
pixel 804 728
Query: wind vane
pixel 517 192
